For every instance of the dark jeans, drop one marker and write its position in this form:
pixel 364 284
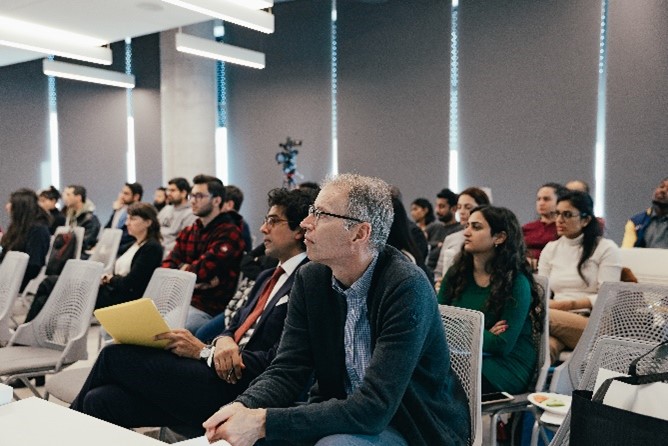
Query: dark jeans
pixel 134 386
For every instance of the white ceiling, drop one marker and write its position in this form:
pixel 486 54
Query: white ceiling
pixel 107 20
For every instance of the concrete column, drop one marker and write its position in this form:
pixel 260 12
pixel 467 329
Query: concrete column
pixel 188 107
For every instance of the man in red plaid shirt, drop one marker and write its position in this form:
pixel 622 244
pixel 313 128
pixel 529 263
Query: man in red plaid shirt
pixel 211 248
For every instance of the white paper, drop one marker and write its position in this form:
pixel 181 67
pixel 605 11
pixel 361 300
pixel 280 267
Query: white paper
pixel 646 399
pixel 6 394
pixel 201 441
pixel 604 374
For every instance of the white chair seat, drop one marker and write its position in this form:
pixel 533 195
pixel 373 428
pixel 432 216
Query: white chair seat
pixel 20 359
pixel 66 385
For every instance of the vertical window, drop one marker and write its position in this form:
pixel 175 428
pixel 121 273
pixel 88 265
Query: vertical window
pixel 453 163
pixel 334 85
pixel 131 165
pixel 599 152
pixel 222 170
pixel 54 151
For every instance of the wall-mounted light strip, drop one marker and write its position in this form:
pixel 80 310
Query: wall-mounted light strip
pixel 334 88
pixel 231 12
pixel 87 74
pixel 453 160
pixel 219 51
pixel 131 156
pixel 599 149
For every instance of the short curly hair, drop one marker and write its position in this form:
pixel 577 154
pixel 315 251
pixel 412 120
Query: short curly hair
pixel 369 200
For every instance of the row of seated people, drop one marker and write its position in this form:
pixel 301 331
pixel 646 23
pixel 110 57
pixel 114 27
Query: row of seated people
pixel 500 331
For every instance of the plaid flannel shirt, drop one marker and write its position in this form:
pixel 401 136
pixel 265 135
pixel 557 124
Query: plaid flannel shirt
pixel 212 251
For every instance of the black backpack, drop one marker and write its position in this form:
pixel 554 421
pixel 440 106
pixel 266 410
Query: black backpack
pixel 64 248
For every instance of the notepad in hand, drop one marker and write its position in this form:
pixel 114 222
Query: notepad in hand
pixel 135 322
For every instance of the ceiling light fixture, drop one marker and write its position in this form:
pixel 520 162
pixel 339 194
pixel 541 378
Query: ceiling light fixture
pixel 230 11
pixel 87 74
pixel 45 40
pixel 219 51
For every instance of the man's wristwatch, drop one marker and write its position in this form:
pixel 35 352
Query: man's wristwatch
pixel 206 353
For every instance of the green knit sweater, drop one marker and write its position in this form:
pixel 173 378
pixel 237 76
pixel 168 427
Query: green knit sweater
pixel 511 356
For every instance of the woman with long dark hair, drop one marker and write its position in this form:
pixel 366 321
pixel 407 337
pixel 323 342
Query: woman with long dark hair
pixel 577 264
pixel 400 237
pixel 134 268
pixel 492 275
pixel 28 231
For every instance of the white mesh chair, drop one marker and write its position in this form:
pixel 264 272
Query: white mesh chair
pixel 614 354
pixel 463 330
pixel 625 310
pixel 106 248
pixel 12 269
pixel 520 402
pixel 57 336
pixel 171 290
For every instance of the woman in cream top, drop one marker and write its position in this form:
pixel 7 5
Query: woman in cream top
pixel 576 265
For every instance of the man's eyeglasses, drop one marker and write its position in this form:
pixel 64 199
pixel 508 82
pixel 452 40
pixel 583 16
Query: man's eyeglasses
pixel 566 215
pixel 272 220
pixel 317 213
pixel 198 196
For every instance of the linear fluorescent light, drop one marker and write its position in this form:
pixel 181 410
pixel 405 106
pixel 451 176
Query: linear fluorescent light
pixel 230 11
pixel 219 51
pixel 56 42
pixel 87 74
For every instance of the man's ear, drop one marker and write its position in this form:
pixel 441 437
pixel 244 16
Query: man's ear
pixel 362 232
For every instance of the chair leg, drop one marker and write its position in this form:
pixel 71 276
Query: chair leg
pixel 493 420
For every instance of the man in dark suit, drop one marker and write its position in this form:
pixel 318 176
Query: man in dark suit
pixel 136 386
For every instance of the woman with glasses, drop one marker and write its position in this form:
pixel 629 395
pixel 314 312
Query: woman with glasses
pixel 492 275
pixel 576 264
pixel 539 233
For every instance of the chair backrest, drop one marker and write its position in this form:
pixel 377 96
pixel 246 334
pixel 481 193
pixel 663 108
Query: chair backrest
pixel 12 270
pixel 614 354
pixel 171 290
pixel 544 363
pixel 463 330
pixel 647 264
pixel 63 322
pixel 623 309
pixel 106 248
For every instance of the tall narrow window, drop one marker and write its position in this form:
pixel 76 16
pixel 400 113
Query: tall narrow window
pixel 222 170
pixel 131 165
pixel 453 170
pixel 599 153
pixel 334 68
pixel 54 151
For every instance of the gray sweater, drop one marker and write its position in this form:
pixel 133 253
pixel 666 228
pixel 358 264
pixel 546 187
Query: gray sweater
pixel 408 384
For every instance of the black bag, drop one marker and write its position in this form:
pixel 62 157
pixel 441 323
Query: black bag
pixel 596 424
pixel 63 249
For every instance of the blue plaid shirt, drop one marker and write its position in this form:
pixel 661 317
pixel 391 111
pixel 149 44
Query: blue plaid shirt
pixel 357 332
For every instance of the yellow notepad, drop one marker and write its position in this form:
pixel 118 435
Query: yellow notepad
pixel 135 322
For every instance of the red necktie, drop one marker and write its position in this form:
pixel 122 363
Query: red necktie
pixel 259 306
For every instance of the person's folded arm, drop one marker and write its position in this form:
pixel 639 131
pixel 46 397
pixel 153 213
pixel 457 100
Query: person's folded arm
pixel 515 313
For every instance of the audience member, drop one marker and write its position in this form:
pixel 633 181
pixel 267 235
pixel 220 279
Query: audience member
pixel 649 229
pixel 48 199
pixel 124 388
pixel 285 206
pixel 423 214
pixel 576 265
pixel 28 232
pixel 313 186
pixel 134 268
pixel 468 199
pixel 446 207
pixel 79 213
pixel 234 200
pixel 211 248
pixel 364 322
pixel 580 185
pixel 401 239
pixel 539 232
pixel 177 215
pixel 492 276
pixel 416 233
pixel 160 198
pixel 130 193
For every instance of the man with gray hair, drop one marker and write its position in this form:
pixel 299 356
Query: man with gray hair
pixel 364 321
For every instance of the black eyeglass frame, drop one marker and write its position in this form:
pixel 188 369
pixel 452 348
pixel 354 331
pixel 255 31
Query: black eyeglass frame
pixel 317 213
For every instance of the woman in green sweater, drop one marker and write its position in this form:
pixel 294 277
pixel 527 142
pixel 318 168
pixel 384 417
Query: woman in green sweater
pixel 491 275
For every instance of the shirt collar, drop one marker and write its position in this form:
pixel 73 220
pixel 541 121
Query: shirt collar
pixel 359 288
pixel 290 265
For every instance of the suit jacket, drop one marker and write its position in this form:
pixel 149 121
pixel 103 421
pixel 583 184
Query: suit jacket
pixel 261 347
